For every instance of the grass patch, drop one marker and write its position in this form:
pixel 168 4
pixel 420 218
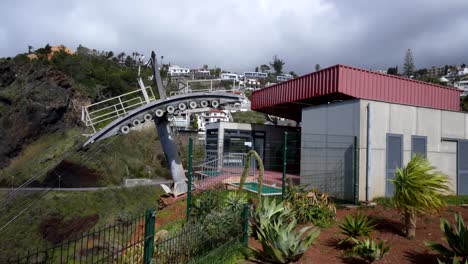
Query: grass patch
pixel 231 253
pixel 455 199
pixel 38 156
pixel 249 117
pixel 387 202
pixel 24 233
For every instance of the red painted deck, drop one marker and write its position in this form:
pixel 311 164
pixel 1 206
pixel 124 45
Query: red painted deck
pixel 273 178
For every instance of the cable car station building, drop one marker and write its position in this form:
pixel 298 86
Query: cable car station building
pixel 391 117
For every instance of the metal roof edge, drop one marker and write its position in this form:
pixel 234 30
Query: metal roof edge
pixel 393 76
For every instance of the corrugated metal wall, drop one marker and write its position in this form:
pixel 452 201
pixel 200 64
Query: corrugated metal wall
pixel 357 83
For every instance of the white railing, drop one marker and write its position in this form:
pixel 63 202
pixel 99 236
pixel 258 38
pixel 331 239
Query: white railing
pixel 94 115
pixel 211 86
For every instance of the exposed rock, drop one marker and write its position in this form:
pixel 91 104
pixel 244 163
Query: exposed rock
pixel 34 100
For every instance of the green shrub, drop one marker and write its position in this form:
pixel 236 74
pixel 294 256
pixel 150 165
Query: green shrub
pixel 197 239
pixel 276 230
pixel 204 204
pixel 309 207
pixel 456 237
pixel 370 251
pixel 354 227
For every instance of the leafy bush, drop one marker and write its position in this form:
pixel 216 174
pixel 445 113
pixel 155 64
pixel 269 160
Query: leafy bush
pixel 204 204
pixel 456 237
pixel 309 207
pixel 196 239
pixel 354 227
pixel 370 251
pixel 276 230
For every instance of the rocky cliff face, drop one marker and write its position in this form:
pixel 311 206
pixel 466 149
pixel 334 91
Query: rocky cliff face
pixel 34 99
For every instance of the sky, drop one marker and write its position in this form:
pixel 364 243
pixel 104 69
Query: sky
pixel 238 35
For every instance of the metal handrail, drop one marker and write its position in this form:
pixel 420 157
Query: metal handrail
pixel 93 117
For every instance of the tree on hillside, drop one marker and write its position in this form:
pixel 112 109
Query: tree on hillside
pixel 264 68
pixel 393 70
pixel 121 56
pixel 30 49
pixel 216 72
pixel 421 72
pixel 317 67
pixel 464 103
pixel 277 65
pixel 293 74
pixel 110 54
pixel 408 64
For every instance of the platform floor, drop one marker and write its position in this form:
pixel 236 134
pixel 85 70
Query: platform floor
pixel 206 180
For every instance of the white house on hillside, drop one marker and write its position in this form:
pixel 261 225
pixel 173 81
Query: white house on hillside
pixel 178 71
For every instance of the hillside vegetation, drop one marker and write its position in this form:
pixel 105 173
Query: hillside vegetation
pixel 68 214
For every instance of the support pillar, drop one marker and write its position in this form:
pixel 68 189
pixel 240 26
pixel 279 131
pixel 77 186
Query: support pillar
pixel 172 155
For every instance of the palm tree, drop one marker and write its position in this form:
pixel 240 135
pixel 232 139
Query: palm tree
pixel 418 188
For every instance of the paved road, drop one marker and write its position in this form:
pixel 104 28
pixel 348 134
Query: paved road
pixel 85 189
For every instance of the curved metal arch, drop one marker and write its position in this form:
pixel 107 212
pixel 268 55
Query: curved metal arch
pixel 113 128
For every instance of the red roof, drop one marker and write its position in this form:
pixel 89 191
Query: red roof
pixel 342 82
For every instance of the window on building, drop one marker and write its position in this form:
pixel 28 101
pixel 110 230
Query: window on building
pixel 419 145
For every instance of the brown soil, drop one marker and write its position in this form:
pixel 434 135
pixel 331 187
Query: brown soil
pixel 72 176
pixel 56 229
pixel 389 228
pixel 177 211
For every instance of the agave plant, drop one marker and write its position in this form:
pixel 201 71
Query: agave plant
pixel 356 226
pixel 235 201
pixel 276 230
pixel 269 211
pixel 371 251
pixel 457 238
pixel 418 188
pixel 281 243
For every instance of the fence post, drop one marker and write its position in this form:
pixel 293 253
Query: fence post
pixel 245 225
pixel 148 253
pixel 189 176
pixel 356 170
pixel 283 178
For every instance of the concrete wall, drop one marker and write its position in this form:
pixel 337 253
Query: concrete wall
pixel 408 121
pixel 349 118
pixel 327 153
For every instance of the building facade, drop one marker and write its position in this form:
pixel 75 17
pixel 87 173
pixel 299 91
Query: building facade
pixel 358 126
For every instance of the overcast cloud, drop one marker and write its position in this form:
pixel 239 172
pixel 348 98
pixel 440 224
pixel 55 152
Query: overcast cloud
pixel 237 35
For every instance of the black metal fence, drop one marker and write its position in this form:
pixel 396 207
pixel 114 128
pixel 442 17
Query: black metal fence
pixel 133 240
pixel 122 242
pixel 209 240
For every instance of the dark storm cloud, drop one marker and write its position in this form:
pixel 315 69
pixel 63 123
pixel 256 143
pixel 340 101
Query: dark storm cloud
pixel 239 35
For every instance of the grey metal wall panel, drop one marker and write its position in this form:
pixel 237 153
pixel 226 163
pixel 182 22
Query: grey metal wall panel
pixel 462 166
pixel 394 160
